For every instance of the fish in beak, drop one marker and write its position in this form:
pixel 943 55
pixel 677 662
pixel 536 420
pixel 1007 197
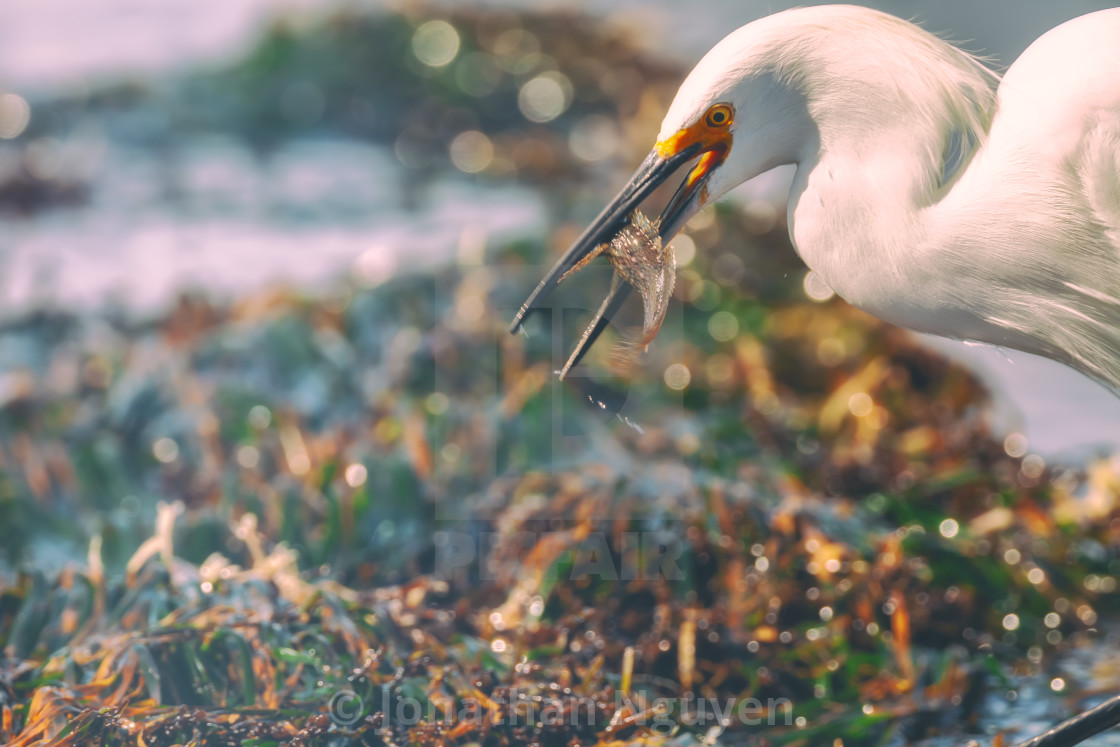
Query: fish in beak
pixel 644 263
pixel 665 159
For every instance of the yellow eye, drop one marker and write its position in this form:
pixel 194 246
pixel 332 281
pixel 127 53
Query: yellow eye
pixel 719 116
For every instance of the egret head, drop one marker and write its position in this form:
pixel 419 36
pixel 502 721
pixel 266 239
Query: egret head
pixel 728 122
pixel 708 136
pixel 739 113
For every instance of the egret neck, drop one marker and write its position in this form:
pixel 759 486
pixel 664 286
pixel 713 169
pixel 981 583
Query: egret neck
pixel 923 193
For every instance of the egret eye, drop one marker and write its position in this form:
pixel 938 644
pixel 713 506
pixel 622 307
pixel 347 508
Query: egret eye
pixel 718 116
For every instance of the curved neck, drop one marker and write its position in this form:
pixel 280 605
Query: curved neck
pixel 948 260
pixel 856 220
pixel 862 211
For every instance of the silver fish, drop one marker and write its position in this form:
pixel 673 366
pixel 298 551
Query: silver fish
pixel 638 257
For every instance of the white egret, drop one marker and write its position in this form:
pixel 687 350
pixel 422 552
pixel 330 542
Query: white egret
pixel 923 193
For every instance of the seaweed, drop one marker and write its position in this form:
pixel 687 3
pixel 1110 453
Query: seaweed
pixel 367 515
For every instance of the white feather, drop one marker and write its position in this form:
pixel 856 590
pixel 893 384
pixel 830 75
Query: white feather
pixel 923 194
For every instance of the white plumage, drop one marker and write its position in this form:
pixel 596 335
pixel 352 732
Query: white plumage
pixel 924 195
pixel 927 191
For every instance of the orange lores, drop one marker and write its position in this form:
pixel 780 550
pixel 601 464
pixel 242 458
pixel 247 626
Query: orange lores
pixel 714 142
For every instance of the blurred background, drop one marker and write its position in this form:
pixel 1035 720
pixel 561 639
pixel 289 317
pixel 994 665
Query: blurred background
pixel 151 148
pixel 257 262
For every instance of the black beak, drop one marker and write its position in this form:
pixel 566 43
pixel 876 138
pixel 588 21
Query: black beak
pixel 655 169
